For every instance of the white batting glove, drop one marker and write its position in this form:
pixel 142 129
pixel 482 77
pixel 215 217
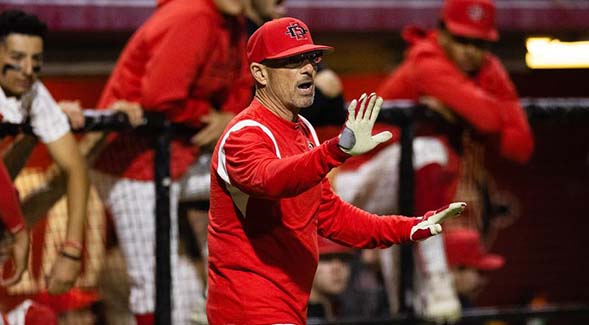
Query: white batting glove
pixel 357 138
pixel 430 224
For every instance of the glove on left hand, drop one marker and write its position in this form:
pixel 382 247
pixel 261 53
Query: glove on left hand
pixel 429 224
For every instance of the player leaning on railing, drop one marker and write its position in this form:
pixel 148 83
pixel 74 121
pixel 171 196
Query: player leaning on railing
pixel 23 98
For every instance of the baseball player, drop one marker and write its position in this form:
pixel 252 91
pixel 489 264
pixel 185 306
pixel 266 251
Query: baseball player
pixel 270 198
pixel 451 71
pixel 23 98
pixel 188 62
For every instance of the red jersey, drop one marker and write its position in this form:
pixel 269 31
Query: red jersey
pixel 269 201
pixel 488 101
pixel 10 212
pixel 186 60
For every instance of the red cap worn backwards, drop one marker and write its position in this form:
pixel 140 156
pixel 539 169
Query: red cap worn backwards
pixel 281 38
pixel 464 248
pixel 471 18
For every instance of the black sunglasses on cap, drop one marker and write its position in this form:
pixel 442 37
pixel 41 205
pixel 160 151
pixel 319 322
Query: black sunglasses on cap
pixel 295 61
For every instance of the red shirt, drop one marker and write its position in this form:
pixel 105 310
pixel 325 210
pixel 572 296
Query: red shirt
pixel 269 200
pixel 184 61
pixel 10 212
pixel 487 101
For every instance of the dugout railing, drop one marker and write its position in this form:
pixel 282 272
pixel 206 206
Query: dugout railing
pixel 400 113
pixel 162 131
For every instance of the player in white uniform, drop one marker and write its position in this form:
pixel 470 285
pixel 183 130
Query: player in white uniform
pixel 24 99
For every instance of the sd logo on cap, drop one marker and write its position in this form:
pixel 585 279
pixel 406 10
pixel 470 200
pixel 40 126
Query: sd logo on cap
pixel 281 38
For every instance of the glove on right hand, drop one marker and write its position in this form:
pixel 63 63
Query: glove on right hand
pixel 357 138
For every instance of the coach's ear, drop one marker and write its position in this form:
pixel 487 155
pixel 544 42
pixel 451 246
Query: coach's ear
pixel 259 72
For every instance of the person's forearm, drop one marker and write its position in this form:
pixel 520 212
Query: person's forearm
pixel 77 202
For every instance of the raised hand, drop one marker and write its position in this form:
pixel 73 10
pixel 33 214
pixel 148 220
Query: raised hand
pixel 357 138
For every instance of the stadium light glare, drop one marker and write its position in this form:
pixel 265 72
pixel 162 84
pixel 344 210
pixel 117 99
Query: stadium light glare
pixel 549 53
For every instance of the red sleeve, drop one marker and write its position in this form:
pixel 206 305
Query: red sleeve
pixel 350 226
pixel 9 203
pixel 517 142
pixel 399 84
pixel 253 166
pixel 436 76
pixel 172 68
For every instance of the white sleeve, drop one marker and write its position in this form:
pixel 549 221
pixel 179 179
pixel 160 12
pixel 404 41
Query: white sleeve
pixel 48 121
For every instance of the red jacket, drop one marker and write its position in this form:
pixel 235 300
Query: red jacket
pixel 10 212
pixel 269 200
pixel 183 61
pixel 487 101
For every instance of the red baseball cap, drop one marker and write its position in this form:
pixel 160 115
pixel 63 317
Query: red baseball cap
pixel 471 18
pixel 281 38
pixel 327 246
pixel 464 248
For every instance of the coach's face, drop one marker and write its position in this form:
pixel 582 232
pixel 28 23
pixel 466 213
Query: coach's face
pixel 21 57
pixel 291 81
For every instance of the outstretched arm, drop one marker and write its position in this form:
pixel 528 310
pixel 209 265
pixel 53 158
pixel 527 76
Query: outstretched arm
pixel 351 226
pixel 66 154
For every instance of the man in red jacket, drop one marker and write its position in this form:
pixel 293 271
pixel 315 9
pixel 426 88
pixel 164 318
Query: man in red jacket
pixel 188 62
pixel 270 197
pixel 451 71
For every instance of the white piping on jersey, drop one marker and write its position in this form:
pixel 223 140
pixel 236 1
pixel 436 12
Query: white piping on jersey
pixel 310 127
pixel 221 161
